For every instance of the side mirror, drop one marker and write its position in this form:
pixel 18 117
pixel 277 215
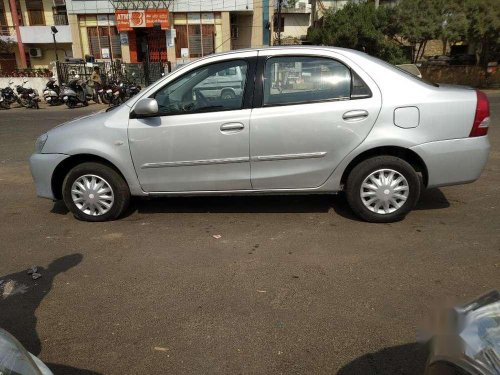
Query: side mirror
pixel 146 107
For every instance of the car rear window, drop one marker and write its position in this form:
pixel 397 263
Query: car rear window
pixel 307 79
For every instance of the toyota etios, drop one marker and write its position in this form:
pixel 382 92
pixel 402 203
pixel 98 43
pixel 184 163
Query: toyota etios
pixel 291 120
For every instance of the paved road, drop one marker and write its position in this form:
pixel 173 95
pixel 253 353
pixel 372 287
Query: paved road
pixel 295 285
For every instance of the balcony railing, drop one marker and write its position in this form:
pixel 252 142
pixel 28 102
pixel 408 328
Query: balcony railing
pixel 60 19
pixel 7 31
pixel 301 9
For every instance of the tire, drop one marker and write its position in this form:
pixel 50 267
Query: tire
pixel 119 192
pixel 70 104
pixel 227 95
pixel 383 202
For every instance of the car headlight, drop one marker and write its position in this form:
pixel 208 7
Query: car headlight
pixel 40 142
pixel 481 330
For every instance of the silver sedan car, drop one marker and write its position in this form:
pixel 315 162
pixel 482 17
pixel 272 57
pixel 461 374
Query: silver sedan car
pixel 304 120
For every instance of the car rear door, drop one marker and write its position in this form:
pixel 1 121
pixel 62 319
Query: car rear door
pixel 197 142
pixel 309 112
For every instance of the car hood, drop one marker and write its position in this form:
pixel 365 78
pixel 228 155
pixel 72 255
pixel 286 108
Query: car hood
pixel 97 127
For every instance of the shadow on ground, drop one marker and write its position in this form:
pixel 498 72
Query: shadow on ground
pixel 58 369
pixel 20 297
pixel 407 359
pixel 431 199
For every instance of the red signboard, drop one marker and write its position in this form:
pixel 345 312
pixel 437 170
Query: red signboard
pixel 122 20
pixel 128 19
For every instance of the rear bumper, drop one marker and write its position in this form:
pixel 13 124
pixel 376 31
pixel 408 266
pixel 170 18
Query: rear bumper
pixel 42 168
pixel 454 161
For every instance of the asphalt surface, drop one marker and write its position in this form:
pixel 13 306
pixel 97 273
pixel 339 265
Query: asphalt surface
pixel 294 285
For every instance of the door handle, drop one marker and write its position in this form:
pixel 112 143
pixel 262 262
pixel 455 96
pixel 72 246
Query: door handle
pixel 353 115
pixel 232 127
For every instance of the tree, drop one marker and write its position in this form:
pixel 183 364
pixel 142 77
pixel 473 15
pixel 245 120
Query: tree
pixel 417 22
pixel 359 26
pixel 483 29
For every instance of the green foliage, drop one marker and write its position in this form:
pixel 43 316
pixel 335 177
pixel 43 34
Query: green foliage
pixel 483 27
pixel 382 31
pixel 361 27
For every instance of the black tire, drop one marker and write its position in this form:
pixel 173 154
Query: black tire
pixel 367 167
pixel 227 95
pixel 118 185
pixel 70 104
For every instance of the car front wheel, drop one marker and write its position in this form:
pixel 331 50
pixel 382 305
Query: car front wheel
pixel 383 189
pixel 95 192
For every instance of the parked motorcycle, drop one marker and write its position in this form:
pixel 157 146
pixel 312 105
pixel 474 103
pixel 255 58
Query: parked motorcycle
pixel 75 93
pixel 29 97
pixel 3 103
pixel 52 92
pixel 9 95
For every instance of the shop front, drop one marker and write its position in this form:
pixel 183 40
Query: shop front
pixel 145 33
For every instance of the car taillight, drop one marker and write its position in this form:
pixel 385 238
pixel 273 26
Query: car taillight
pixel 482 118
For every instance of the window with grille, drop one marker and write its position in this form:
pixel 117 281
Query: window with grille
pixel 198 38
pixel 4 30
pixel 104 37
pixel 35 12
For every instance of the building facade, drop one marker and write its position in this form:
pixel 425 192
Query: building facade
pixel 174 32
pixel 35 18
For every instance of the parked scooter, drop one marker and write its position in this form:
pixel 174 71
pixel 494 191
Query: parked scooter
pixel 75 93
pixel 9 95
pixel 51 94
pixel 29 97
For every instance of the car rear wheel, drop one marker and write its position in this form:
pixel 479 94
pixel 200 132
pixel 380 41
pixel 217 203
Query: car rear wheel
pixel 227 95
pixel 95 192
pixel 383 189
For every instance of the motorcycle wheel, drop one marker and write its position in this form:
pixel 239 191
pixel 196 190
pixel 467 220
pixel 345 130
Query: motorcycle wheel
pixel 23 102
pixel 104 99
pixel 85 103
pixel 70 104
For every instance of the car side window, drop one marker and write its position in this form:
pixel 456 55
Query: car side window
pixel 210 88
pixel 303 79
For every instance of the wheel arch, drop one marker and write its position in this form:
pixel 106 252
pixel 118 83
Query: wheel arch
pixel 67 164
pixel 411 157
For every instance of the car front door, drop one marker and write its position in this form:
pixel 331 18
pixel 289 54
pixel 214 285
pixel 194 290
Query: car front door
pixel 312 111
pixel 198 141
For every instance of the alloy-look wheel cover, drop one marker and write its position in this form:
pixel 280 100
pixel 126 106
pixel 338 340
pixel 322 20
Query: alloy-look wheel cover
pixel 92 195
pixel 384 191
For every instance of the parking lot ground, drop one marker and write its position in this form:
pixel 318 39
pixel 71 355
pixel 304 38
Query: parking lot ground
pixel 294 284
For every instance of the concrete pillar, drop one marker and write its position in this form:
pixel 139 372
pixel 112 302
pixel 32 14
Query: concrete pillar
pixel 226 32
pixel 75 36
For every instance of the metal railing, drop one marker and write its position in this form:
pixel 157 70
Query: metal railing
pixel 60 19
pixel 7 31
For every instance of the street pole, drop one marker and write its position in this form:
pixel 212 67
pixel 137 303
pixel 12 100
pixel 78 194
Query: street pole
pixel 377 3
pixel 55 46
pixel 20 45
pixel 280 2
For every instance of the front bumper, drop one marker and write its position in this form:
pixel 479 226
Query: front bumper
pixel 42 168
pixel 454 161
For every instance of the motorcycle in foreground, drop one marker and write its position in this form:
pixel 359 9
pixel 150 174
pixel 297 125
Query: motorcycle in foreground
pixel 51 94
pixel 3 104
pixel 9 95
pixel 75 93
pixel 29 97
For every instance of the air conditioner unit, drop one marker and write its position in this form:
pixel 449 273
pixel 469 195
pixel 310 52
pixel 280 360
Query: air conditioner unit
pixel 35 52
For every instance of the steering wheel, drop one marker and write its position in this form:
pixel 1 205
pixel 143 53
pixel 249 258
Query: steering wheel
pixel 202 99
